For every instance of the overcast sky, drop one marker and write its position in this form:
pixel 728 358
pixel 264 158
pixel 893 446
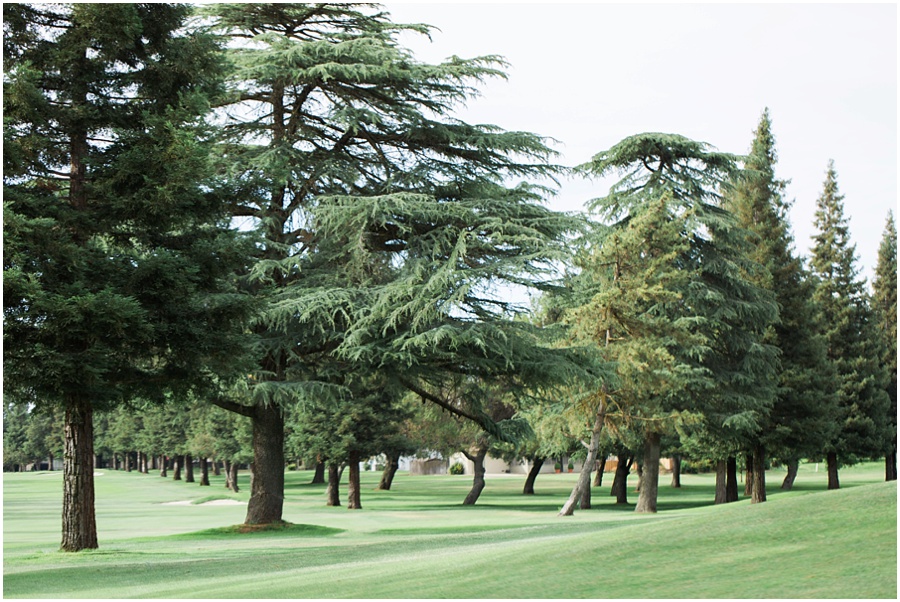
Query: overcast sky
pixel 590 74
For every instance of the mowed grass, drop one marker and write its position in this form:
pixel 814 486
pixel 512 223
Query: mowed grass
pixel 418 541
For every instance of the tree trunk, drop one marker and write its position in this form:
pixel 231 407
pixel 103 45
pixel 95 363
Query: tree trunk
pixel 163 467
pixel 204 472
pixel 390 469
pixel 267 485
pixel 332 492
pixel 127 458
pixel 353 498
pixel 793 465
pixel 758 493
pixel 833 482
pixel 750 463
pixel 650 476
pixel 79 523
pixel 731 483
pixel 50 461
pixel 233 476
pixel 319 474
pixel 721 495
pixel 584 477
pixel 890 466
pixel 640 474
pixel 478 480
pixel 176 468
pixel 619 487
pixel 227 468
pixel 598 478
pixel 215 467
pixel 676 471
pixel 537 462
pixel 188 468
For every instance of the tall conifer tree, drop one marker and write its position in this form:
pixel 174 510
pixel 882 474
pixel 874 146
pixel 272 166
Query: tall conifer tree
pixel 850 336
pixel 802 418
pixel 885 301
pixel 115 269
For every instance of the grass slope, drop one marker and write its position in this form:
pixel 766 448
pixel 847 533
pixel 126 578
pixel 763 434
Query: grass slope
pixel 417 541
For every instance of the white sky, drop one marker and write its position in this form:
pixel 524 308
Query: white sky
pixel 590 74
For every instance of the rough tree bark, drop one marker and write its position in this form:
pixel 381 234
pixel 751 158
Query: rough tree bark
pixel 584 477
pixel 537 462
pixel 79 523
pixel 319 474
pixel 750 464
pixel 188 468
pixel 833 482
pixel 354 501
pixel 267 485
pixel 890 466
pixel 793 466
pixel 332 492
pixel 598 478
pixel 619 487
pixel 731 481
pixel 676 471
pixel 227 467
pixel 390 469
pixel 650 475
pixel 758 476
pixel 721 495
pixel 476 455
pixel 204 472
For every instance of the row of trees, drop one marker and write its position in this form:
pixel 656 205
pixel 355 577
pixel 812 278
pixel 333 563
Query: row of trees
pixel 271 208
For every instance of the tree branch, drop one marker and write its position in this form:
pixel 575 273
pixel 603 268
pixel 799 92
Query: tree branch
pixel 231 406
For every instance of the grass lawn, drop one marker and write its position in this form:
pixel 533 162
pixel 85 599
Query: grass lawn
pixel 418 541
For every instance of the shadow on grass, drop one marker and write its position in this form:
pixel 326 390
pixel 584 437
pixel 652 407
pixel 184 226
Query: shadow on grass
pixel 282 528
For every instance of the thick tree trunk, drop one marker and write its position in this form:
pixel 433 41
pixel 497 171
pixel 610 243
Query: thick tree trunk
pixel 650 475
pixel 598 478
pixel 50 461
pixel 731 482
pixel 188 468
pixel 583 485
pixel 477 457
pixel 332 492
pixel 215 467
pixel 227 468
pixel 833 482
pixel 537 462
pixel 721 495
pixel 890 466
pixel 793 465
pixel 163 467
pixel 354 501
pixel 619 487
pixel 390 469
pixel 267 483
pixel 79 524
pixel 676 471
pixel 127 457
pixel 758 493
pixel 176 468
pixel 204 472
pixel 319 474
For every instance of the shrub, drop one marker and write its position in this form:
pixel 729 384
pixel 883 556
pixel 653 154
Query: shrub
pixel 457 468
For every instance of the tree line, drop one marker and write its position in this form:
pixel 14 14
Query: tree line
pixel 271 210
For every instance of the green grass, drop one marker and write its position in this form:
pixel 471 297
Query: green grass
pixel 418 541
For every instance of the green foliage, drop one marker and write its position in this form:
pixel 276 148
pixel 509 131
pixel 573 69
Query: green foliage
pixel 457 468
pixel 851 332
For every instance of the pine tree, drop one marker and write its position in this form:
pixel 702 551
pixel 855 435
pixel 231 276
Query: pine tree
pixel 850 336
pixel 689 320
pixel 116 268
pixel 802 418
pixel 885 301
pixel 382 219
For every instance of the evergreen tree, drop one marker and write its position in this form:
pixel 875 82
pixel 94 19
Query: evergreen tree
pixel 802 418
pixel 682 318
pixel 885 301
pixel 115 268
pixel 850 336
pixel 383 220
